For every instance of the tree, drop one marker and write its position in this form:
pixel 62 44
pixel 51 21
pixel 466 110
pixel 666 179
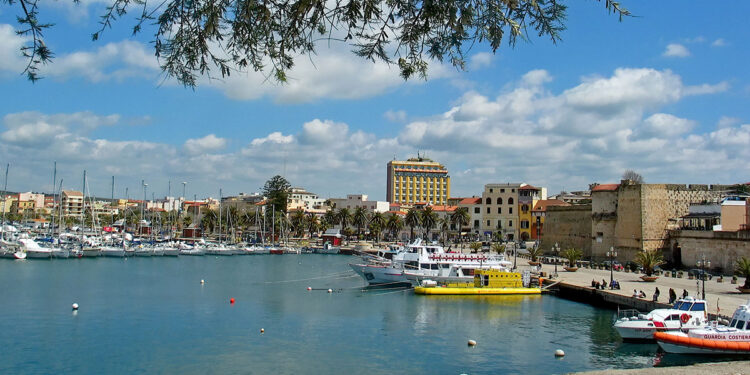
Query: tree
pixel 572 255
pixel 276 191
pixel 429 220
pixel 209 221
pixel 632 176
pixel 359 219
pixel 377 221
pixel 344 217
pixel 298 222
pixel 312 223
pixel 329 218
pixel 648 260
pixel 444 225
pixel 412 219
pixel 394 224
pixel 460 217
pixel 198 37
pixel 742 268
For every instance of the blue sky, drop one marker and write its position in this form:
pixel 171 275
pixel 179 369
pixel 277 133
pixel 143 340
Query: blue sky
pixel 664 93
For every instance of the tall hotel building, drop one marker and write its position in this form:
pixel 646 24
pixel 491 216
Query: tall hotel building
pixel 418 180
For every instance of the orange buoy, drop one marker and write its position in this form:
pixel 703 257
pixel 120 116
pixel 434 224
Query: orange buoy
pixel 309 288
pixel 231 300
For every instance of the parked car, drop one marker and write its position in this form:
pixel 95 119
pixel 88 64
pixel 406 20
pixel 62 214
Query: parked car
pixel 699 273
pixel 616 265
pixel 633 266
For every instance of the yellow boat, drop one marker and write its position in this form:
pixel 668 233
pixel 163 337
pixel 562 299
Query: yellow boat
pixel 486 282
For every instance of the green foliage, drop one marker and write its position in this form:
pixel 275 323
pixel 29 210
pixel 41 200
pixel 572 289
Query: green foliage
pixel 193 38
pixel 360 219
pixel 312 223
pixel 344 217
pixel 648 260
pixel 498 248
pixel 475 246
pixel 412 219
pixel 276 191
pixel 572 255
pixel 394 224
pixel 534 252
pixel 742 267
pixel 429 219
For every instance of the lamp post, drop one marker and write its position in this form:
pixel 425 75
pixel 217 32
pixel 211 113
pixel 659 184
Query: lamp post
pixel 556 249
pixel 611 254
pixel 703 263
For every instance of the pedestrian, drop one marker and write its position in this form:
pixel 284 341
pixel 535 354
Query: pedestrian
pixel 604 284
pixel 641 294
pixel 672 296
pixel 596 285
pixel 656 295
pixel 684 293
pixel 593 283
pixel 635 293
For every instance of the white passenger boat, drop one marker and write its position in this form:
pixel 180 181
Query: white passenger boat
pixel 419 261
pixel 711 339
pixel 33 250
pixel 687 313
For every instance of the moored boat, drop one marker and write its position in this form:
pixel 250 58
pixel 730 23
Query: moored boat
pixel 687 313
pixel 486 282
pixel 733 339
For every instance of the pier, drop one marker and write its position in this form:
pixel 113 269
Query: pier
pixel 722 298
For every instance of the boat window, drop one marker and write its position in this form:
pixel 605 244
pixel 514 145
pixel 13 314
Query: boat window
pixel 674 317
pixel 485 280
pixel 434 266
pixel 686 306
pixel 733 324
pixel 677 305
pixel 740 324
pixel 445 265
pixel 698 307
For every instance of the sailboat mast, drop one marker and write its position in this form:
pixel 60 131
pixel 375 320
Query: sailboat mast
pixel 83 206
pixel 219 216
pixel 54 185
pixel 273 224
pixel 60 208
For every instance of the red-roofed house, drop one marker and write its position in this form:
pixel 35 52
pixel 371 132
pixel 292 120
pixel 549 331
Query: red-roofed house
pixel 473 206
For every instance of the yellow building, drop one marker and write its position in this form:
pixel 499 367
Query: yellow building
pixel 417 180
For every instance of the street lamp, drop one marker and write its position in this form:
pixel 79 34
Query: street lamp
pixel 703 263
pixel 556 249
pixel 611 254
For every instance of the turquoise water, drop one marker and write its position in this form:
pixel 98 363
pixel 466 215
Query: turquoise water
pixel 152 315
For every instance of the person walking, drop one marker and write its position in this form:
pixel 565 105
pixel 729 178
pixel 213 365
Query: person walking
pixel 684 293
pixel 656 295
pixel 672 296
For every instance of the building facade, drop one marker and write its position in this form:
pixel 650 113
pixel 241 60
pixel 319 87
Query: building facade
pixel 353 201
pixel 72 203
pixel 500 210
pixel 417 180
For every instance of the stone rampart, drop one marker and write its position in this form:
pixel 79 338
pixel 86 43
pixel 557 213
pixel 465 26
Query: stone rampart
pixel 568 226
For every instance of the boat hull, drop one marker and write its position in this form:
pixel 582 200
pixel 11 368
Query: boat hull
pixel 38 254
pixel 683 344
pixel 380 275
pixel 475 291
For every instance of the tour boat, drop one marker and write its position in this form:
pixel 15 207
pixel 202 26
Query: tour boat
pixel 421 261
pixel 712 339
pixel 485 282
pixel 687 313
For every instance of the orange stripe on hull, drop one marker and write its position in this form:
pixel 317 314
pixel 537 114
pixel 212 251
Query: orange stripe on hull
pixel 735 346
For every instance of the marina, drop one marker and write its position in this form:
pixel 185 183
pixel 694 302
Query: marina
pixel 154 314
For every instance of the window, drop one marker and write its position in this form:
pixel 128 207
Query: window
pixel 525 208
pixel 512 190
pixel 510 200
pixel 490 190
pixel 488 200
pixel 488 223
pixel 499 210
pixel 476 223
pixel 510 223
pixel 525 224
pixel 510 210
pixel 488 210
pixel 502 190
pixel 476 210
pixel 499 200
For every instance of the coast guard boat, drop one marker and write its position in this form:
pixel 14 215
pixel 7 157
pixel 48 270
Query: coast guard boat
pixel 687 313
pixel 712 339
pixel 420 261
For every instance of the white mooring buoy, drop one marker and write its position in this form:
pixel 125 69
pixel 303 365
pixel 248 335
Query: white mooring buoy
pixel 472 343
pixel 202 282
pixel 559 353
pixel 262 330
pixel 75 306
pixel 330 290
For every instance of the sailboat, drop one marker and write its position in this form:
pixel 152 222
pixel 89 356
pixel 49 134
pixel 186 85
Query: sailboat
pixel 89 247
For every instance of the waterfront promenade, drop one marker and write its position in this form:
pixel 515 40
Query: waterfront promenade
pixel 724 295
pixel 722 368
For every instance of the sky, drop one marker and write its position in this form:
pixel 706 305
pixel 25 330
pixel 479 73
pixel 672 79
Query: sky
pixel 664 93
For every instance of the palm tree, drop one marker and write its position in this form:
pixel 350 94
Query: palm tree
pixel 499 248
pixel 378 221
pixel 444 225
pixel 329 219
pixel 742 267
pixel 209 221
pixel 298 222
pixel 344 217
pixel 394 224
pixel 429 220
pixel 312 223
pixel 187 220
pixel 359 219
pixel 412 220
pixel 648 260
pixel 572 255
pixel 460 217
pixel 474 246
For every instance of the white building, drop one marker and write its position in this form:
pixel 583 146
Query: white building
pixel 300 198
pixel 38 199
pixel 353 201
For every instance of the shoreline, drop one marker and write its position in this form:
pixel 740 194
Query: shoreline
pixel 716 368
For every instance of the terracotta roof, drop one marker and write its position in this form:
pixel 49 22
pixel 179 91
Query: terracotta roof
pixel 543 204
pixel 605 187
pixel 402 213
pixel 528 187
pixel 72 193
pixel 444 208
pixel 471 201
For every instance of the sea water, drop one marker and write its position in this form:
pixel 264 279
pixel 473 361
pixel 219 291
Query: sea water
pixel 153 315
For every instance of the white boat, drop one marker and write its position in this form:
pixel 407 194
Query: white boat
pixel 60 253
pixel 91 251
pixel 326 249
pixel 33 250
pixel 687 313
pixel 733 339
pixel 419 261
pixel 143 251
pixel 114 252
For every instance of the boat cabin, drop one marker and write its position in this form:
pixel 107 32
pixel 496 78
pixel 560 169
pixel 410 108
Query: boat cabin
pixel 689 304
pixel 741 318
pixel 497 279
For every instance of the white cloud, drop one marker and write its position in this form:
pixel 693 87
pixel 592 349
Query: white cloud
pixel 113 61
pixel 676 50
pixel 395 116
pixel 706 89
pixel 273 138
pixel 11 59
pixel 663 125
pixel 318 132
pixel 719 43
pixel 727 122
pixel 480 60
pixel 209 143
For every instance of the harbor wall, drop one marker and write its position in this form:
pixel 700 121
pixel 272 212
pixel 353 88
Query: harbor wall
pixel 721 248
pixel 568 226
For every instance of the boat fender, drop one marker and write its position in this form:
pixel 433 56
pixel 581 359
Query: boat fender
pixel 684 318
